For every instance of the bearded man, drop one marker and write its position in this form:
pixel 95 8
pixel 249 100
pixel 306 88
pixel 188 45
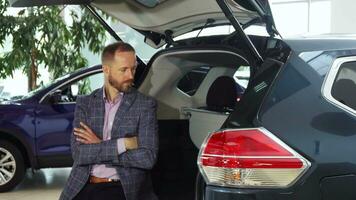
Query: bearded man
pixel 114 142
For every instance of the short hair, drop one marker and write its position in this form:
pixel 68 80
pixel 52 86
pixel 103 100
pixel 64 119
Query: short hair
pixel 109 51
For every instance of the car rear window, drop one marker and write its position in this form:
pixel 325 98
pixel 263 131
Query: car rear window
pixel 344 87
pixel 246 109
pixel 190 83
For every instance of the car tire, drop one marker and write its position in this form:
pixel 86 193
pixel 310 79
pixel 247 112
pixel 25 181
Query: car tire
pixel 12 166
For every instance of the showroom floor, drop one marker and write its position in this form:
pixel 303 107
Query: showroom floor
pixel 44 184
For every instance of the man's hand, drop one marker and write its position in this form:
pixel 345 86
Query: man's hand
pixel 130 143
pixel 85 135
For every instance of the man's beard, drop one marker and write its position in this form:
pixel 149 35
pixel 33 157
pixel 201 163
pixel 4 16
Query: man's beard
pixel 124 87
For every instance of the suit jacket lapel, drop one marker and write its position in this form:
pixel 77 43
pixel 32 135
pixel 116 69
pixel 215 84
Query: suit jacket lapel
pixel 99 107
pixel 126 103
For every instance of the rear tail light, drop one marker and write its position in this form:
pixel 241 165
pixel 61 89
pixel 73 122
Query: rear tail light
pixel 249 158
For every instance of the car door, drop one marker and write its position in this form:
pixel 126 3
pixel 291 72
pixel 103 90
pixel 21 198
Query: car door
pixel 54 117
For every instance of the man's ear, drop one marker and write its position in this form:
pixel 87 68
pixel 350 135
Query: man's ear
pixel 106 69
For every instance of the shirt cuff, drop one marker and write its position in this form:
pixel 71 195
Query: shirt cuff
pixel 121 146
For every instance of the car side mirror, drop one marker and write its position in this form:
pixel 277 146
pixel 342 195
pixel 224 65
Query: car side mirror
pixel 56 97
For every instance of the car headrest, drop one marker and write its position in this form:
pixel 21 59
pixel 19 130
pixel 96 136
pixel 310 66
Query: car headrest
pixel 222 94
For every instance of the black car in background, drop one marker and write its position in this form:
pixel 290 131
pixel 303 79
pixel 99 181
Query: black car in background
pixel 291 135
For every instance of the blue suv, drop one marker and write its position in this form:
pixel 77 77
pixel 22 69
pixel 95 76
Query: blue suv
pixel 35 130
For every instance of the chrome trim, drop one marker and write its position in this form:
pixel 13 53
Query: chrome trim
pixel 203 51
pixel 65 103
pixel 329 81
pixel 187 109
pixel 70 80
pixel 272 157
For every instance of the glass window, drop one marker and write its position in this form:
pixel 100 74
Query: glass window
pixel 249 105
pixel 344 87
pixel 90 83
pixel 242 76
pixel 190 83
pixel 134 38
pixel 84 86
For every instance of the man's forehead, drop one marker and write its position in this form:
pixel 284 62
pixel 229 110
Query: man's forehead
pixel 125 56
pixel 124 53
pixel 124 60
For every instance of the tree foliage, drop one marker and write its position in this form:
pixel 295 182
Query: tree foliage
pixel 41 37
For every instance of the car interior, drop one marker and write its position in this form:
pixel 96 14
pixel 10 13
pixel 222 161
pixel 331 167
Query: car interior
pixel 186 116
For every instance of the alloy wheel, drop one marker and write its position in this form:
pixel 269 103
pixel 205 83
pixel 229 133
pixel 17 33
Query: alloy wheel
pixel 7 166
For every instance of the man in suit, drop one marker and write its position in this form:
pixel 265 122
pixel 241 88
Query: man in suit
pixel 114 141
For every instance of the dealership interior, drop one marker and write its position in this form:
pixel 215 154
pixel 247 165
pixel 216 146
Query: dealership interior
pixel 292 17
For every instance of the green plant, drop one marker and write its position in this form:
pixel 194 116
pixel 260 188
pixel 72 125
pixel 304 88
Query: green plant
pixel 41 37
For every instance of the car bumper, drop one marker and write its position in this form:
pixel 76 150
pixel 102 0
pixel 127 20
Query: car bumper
pixel 223 193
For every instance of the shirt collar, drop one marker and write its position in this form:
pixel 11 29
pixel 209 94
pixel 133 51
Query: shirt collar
pixel 118 96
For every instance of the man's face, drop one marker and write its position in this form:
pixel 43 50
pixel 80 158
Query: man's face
pixel 120 74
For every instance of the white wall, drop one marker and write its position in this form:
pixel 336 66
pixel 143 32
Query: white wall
pixel 300 17
pixel 303 17
pixel 343 16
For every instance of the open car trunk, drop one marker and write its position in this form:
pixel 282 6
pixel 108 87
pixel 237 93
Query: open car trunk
pixel 197 88
pixel 185 118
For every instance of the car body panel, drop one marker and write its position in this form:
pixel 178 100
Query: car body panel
pixel 321 43
pixel 192 14
pixel 295 110
pixel 43 128
pixel 17 124
pixel 53 128
pixel 321 132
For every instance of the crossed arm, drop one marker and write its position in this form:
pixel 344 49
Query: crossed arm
pixel 88 149
pixel 85 135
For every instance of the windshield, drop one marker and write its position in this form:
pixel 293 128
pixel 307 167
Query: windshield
pixel 134 38
pixel 43 86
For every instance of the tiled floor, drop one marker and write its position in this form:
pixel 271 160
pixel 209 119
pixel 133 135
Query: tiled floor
pixel 44 184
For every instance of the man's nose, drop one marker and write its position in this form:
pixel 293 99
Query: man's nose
pixel 130 74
